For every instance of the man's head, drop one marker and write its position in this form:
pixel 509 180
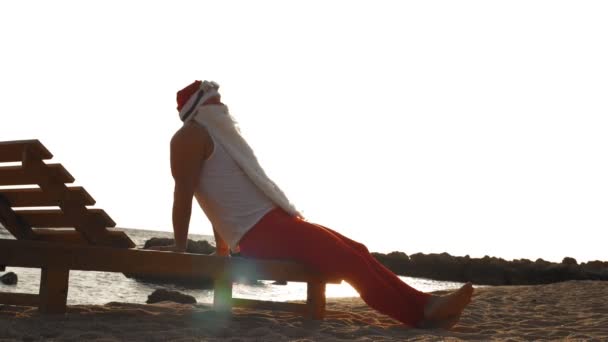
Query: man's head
pixel 184 95
pixel 195 94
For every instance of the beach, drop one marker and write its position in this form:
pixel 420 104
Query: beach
pixel 573 310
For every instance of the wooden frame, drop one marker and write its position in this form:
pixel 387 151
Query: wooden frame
pixel 91 246
pixel 56 260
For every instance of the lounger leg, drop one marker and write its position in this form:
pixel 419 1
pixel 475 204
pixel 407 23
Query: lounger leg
pixel 316 300
pixel 54 289
pixel 222 294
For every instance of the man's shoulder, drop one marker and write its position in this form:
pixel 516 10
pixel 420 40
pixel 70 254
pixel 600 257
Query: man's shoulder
pixel 189 133
pixel 191 136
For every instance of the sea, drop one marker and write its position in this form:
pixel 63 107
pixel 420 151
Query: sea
pixel 99 288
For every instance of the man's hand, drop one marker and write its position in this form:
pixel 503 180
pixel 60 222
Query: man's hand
pixel 221 247
pixel 170 248
pixel 221 252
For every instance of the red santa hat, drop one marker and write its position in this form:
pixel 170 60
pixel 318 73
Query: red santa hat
pixel 195 94
pixel 184 95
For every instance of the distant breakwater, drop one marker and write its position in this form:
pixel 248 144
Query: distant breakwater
pixel 444 267
pixel 491 270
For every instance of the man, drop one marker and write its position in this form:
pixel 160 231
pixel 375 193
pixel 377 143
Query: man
pixel 210 161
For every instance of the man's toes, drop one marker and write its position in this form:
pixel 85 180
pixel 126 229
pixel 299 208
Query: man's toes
pixel 449 305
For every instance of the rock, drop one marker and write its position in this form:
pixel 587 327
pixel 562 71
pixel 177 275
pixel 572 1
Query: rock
pixel 196 247
pixel 398 262
pixel 541 261
pixel 595 266
pixel 569 261
pixel 162 295
pixel 200 247
pixel 9 278
pixel 398 255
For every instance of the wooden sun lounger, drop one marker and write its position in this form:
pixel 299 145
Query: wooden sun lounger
pixel 75 237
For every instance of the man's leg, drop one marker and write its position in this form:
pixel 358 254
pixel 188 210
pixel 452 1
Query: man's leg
pixel 280 236
pixel 440 311
pixel 374 264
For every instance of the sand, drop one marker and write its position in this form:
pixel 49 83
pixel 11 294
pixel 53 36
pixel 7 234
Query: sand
pixel 575 310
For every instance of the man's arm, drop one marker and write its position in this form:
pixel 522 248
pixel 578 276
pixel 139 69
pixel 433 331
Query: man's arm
pixel 190 146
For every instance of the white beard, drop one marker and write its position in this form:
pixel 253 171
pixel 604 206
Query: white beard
pixel 222 126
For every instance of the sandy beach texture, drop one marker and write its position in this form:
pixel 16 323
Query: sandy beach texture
pixel 575 310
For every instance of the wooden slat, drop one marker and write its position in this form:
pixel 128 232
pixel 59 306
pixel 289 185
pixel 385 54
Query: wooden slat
pixel 270 305
pixel 13 223
pixel 38 198
pixel 21 299
pixel 76 214
pixel 138 261
pixel 12 151
pixel 16 175
pixel 55 218
pixel 69 236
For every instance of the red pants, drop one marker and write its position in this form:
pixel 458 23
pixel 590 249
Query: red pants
pixel 280 236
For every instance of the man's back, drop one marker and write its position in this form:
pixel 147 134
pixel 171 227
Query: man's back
pixel 228 197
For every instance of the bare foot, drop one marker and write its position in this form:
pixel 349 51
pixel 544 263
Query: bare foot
pixel 442 308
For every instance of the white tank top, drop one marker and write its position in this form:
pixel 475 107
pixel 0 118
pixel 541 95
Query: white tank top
pixel 228 197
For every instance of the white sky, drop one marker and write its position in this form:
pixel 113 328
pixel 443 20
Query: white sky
pixel 472 127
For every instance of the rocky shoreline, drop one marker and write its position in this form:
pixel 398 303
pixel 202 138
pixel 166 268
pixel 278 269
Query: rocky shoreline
pixel 491 270
pixel 445 267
